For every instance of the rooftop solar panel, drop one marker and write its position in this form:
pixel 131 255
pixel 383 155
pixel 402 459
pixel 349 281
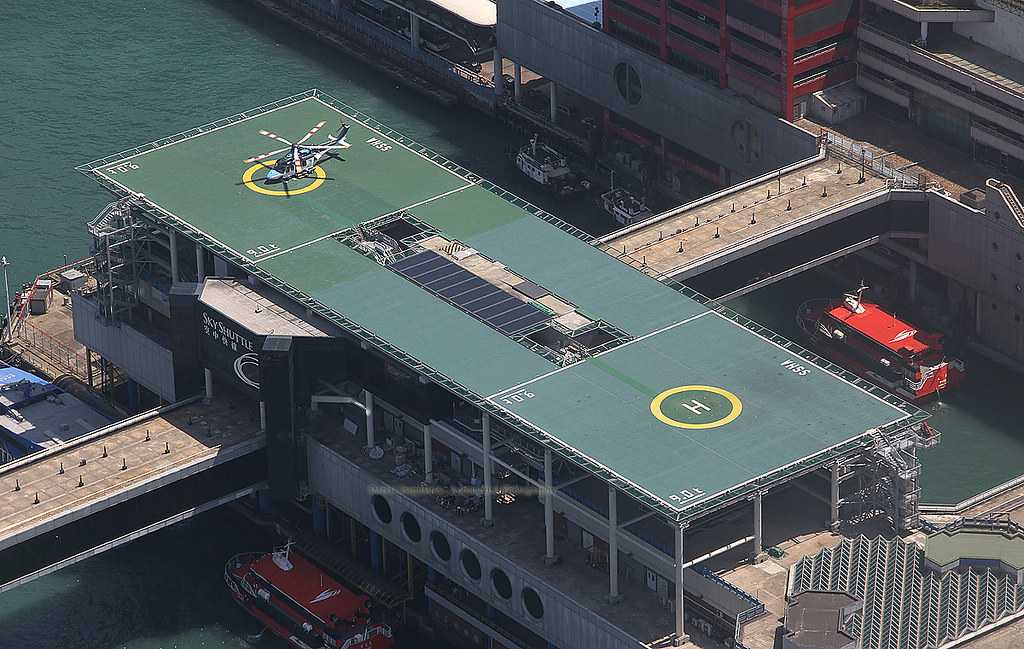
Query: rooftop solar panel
pixel 531 290
pixel 456 285
pixel 458 292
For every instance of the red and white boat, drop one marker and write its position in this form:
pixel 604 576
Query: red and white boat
pixel 874 343
pixel 301 604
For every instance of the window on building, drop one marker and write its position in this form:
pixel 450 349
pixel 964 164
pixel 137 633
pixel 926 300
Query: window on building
pixel 439 545
pixel 502 584
pixel 470 564
pixel 636 11
pixel 696 40
pixel 381 509
pixel 633 37
pixel 411 527
pixel 533 604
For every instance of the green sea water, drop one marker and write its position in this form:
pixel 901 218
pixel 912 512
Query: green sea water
pixel 81 80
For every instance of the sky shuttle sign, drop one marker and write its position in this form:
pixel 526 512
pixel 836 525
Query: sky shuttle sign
pixel 230 348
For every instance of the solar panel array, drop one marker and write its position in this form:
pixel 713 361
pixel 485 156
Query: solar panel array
pixel 456 285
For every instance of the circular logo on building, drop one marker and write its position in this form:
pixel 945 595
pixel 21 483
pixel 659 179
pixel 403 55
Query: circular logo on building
pixel 627 80
pixel 295 187
pixel 696 406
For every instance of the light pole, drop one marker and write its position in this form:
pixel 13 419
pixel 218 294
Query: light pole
pixel 7 302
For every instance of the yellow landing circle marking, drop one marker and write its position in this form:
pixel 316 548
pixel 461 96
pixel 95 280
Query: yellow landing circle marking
pixel 736 407
pixel 254 185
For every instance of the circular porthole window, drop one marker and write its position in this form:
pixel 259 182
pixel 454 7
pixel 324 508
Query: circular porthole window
pixel 627 79
pixel 381 509
pixel 532 603
pixel 470 564
pixel 440 547
pixel 411 527
pixel 502 584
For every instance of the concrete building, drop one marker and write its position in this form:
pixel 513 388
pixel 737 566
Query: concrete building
pixel 36 415
pixel 819 620
pixel 652 106
pixel 467 395
pixel 956 69
pixel 775 53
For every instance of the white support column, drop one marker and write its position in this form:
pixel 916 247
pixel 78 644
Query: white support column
pixel 553 101
pixel 924 32
pixel 834 500
pixel 428 455
pixel 263 417
pixel 488 496
pixel 208 375
pixel 499 78
pixel 613 547
pixel 174 256
pixel 758 554
pixel 681 637
pixel 549 511
pixel 200 263
pixel 368 407
pixel 414 29
pixel 517 74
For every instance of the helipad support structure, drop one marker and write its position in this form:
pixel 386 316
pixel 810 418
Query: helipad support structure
pixel 677 402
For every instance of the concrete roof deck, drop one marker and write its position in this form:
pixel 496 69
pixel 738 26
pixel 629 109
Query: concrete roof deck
pixel 945 548
pixel 599 411
pixel 253 309
pixel 980 60
pixel 196 435
pixel 677 242
pixel 482 13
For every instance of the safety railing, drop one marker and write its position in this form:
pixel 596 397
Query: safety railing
pixel 1009 197
pixel 858 153
pixel 945 64
pixel 48 347
pixel 398 43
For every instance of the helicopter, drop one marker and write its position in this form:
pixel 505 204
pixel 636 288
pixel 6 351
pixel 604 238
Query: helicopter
pixel 302 159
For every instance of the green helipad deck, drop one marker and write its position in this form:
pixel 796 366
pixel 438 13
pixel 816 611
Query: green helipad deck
pixel 691 405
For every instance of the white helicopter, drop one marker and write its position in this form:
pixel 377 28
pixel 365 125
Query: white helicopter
pixel 302 158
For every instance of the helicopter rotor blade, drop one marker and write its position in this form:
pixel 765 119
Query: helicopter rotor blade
pixel 263 156
pixel 312 132
pixel 275 136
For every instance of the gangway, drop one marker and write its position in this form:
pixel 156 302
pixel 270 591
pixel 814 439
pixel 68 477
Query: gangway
pixel 844 179
pixel 59 486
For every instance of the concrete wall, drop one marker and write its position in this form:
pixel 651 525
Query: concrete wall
pixel 987 256
pixel 565 623
pixel 718 124
pixel 140 357
pixel 1005 35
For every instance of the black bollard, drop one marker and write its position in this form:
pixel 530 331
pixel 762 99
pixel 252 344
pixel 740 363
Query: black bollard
pixel 167 448
pixel 81 482
pixel 61 471
pixel 17 485
pixel 124 463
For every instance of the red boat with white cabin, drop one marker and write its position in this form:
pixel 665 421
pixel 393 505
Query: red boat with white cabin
pixel 298 602
pixel 879 346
